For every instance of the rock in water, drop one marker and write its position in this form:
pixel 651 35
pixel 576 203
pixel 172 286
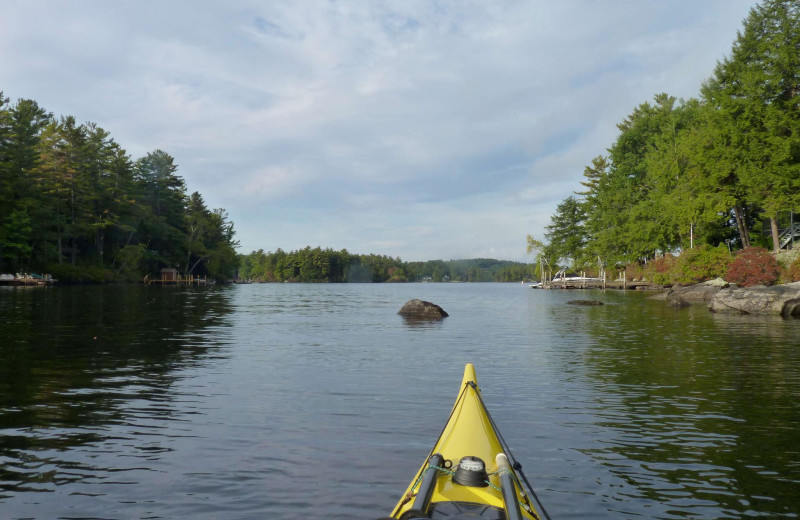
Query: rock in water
pixel 780 299
pixel 585 302
pixel 423 310
pixel 698 293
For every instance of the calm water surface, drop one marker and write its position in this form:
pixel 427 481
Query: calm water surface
pixel 291 401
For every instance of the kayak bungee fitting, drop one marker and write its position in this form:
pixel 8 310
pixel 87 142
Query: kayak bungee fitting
pixel 470 473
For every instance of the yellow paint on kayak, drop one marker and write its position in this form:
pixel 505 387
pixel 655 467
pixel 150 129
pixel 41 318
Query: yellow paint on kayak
pixel 468 432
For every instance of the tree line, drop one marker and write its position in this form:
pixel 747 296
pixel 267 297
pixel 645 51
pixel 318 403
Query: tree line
pixel 704 171
pixel 328 265
pixel 74 203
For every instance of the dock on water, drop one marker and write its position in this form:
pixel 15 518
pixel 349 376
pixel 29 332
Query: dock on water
pixel 601 282
pixel 26 279
pixel 173 277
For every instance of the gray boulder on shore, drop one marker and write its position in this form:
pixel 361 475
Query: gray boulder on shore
pixel 781 300
pixel 422 310
pixel 681 296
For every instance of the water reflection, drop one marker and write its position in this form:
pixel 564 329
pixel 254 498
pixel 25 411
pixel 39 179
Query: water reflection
pixel 696 411
pixel 318 401
pixel 88 370
pixel 421 323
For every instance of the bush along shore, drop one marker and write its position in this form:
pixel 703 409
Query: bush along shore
pixel 753 282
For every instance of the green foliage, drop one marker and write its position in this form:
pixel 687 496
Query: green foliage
pixel 701 264
pixel 15 233
pixel 753 266
pixel 659 271
pixel 69 194
pixel 692 266
pixel 208 238
pixel 687 173
pixel 546 259
pixel 327 265
pixel 397 274
pixel 68 273
pixel 755 90
pixel 475 270
pixel 565 233
pixel 534 246
pixel 129 258
pixel 516 272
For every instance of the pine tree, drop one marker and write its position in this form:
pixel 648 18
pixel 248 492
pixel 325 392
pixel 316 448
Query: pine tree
pixel 756 90
pixel 565 233
pixel 20 128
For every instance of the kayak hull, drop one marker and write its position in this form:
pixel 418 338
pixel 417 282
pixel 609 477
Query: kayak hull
pixel 469 433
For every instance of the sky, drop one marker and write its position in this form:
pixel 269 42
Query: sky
pixel 415 129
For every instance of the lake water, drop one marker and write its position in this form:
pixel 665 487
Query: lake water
pixel 287 401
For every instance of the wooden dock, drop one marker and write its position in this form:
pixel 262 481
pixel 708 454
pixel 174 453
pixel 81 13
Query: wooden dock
pixel 583 282
pixel 178 280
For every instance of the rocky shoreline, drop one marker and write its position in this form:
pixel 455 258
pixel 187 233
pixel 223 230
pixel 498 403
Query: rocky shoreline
pixel 722 297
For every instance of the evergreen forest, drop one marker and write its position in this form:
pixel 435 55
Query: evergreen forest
pixel 721 170
pixel 328 265
pixel 74 203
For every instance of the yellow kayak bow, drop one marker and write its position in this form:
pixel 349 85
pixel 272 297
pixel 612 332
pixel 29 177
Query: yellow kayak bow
pixel 470 472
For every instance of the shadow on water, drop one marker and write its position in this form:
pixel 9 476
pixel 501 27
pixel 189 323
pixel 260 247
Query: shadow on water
pixel 85 367
pixel 695 414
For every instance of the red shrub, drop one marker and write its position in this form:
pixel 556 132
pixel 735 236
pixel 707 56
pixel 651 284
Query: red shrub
pixel 753 266
pixel 794 270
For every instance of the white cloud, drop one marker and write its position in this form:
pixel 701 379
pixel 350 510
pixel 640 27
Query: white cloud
pixel 273 182
pixel 409 128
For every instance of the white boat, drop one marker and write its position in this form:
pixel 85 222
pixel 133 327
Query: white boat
pixel 562 277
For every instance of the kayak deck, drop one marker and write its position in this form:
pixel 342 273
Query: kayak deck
pixel 452 484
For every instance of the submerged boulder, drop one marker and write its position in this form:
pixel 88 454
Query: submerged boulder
pixel 585 302
pixel 778 300
pixel 422 310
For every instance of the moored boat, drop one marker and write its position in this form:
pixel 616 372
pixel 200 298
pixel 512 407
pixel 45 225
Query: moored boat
pixel 470 473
